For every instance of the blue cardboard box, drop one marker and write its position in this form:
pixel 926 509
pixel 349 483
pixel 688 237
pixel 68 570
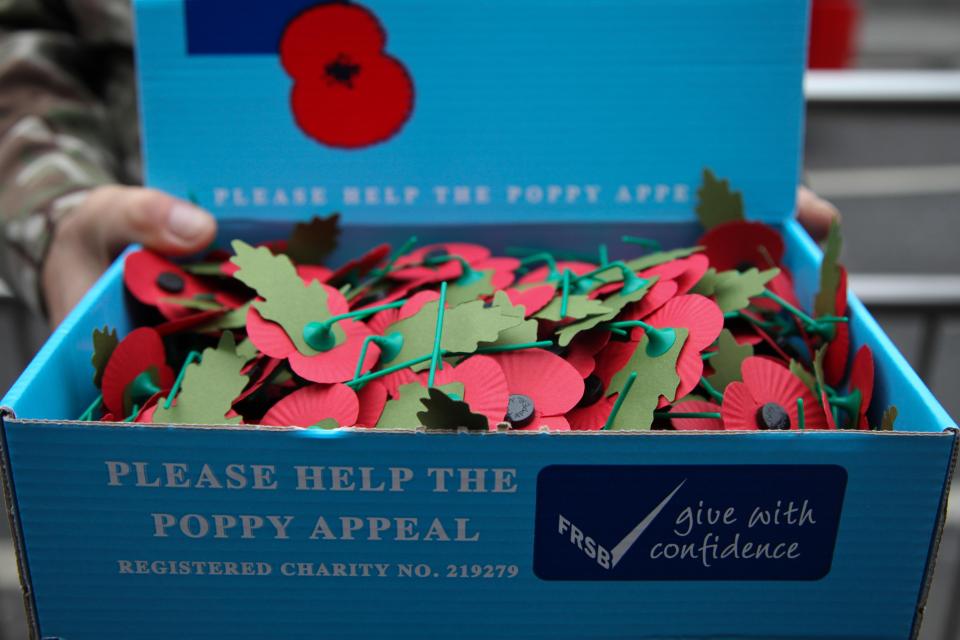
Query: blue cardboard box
pixel 538 122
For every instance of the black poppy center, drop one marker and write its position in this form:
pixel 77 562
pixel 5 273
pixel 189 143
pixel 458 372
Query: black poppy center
pixel 520 410
pixel 773 417
pixel 342 70
pixel 592 391
pixel 170 282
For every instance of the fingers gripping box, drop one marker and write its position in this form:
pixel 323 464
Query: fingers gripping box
pixel 537 123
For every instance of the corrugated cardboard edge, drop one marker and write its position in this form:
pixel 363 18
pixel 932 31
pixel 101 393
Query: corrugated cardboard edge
pixel 937 537
pixel 13 517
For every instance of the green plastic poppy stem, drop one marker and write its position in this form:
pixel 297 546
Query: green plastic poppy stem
pixel 565 299
pixel 631 282
pixel 543 256
pixel 706 355
pixel 812 325
pixel 133 414
pixel 378 274
pixel 659 342
pixel 803 418
pixel 359 382
pixel 193 356
pixel 739 315
pixel 604 254
pixel 317 334
pixel 514 347
pixel 710 389
pixel 710 415
pixel 646 243
pixel 88 414
pixel 437 335
pixel 467 273
pixel 380 341
pixel 620 398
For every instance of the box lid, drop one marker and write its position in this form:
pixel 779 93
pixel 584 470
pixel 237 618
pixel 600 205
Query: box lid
pixel 430 111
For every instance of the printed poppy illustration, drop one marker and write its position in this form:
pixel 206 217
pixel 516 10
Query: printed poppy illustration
pixel 767 399
pixel 348 92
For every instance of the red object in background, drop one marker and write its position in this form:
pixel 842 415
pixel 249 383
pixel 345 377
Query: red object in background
pixel 833 28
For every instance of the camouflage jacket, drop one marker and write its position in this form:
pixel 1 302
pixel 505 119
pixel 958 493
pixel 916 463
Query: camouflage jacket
pixel 67 120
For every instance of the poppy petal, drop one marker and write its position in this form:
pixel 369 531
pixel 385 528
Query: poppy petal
pixel 592 417
pixel 409 267
pixel 696 424
pixel 553 384
pixel 740 243
pixel 485 388
pixel 312 404
pixel 144 273
pixel 362 265
pixel 699 315
pixel 532 299
pixel 861 378
pixel 268 337
pixel 739 408
pixel 838 353
pixel 373 398
pixel 540 421
pixel 340 363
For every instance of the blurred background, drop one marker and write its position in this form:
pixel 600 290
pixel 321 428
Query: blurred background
pixel 883 143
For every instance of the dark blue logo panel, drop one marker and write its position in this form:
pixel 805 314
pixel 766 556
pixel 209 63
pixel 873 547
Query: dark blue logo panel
pixel 705 522
pixel 222 27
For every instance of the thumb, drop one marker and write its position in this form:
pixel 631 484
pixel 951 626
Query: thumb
pixel 158 221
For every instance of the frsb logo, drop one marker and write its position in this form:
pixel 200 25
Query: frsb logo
pixel 744 522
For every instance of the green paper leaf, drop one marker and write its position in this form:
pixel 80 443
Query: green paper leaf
pixel 655 377
pixel 247 350
pixel 734 289
pixel 889 418
pixel 444 412
pixel 233 319
pixel 104 342
pixel 717 202
pixel 726 364
pixel 464 328
pixel 578 307
pixel 401 412
pixel 707 285
pixel 801 372
pixel 825 303
pixel 523 333
pixel 287 300
pixel 661 257
pixel 614 304
pixel 312 242
pixel 460 293
pixel 209 388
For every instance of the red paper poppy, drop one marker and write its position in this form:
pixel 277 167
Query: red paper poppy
pixel 544 380
pixel 313 272
pixel 485 388
pixel 336 365
pixel 181 324
pixel 503 270
pixel 313 404
pixel 660 293
pixel 542 274
pixel 532 299
pixel 696 424
pixel 685 272
pixel 591 417
pixel 361 266
pixel 861 379
pixel 741 245
pixel 150 278
pixel 781 285
pixel 767 399
pixel 373 398
pixel 703 320
pixel 583 349
pixel 265 366
pixel 410 266
pixel 380 323
pixel 139 351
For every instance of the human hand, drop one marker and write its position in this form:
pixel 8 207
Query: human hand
pixel 815 213
pixel 111 217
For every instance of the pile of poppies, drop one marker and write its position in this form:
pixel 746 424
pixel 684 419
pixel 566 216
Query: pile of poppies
pixel 446 336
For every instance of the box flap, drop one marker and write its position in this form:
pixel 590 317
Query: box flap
pixel 489 111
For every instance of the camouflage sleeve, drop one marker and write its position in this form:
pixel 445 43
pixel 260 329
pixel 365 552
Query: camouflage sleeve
pixel 65 76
